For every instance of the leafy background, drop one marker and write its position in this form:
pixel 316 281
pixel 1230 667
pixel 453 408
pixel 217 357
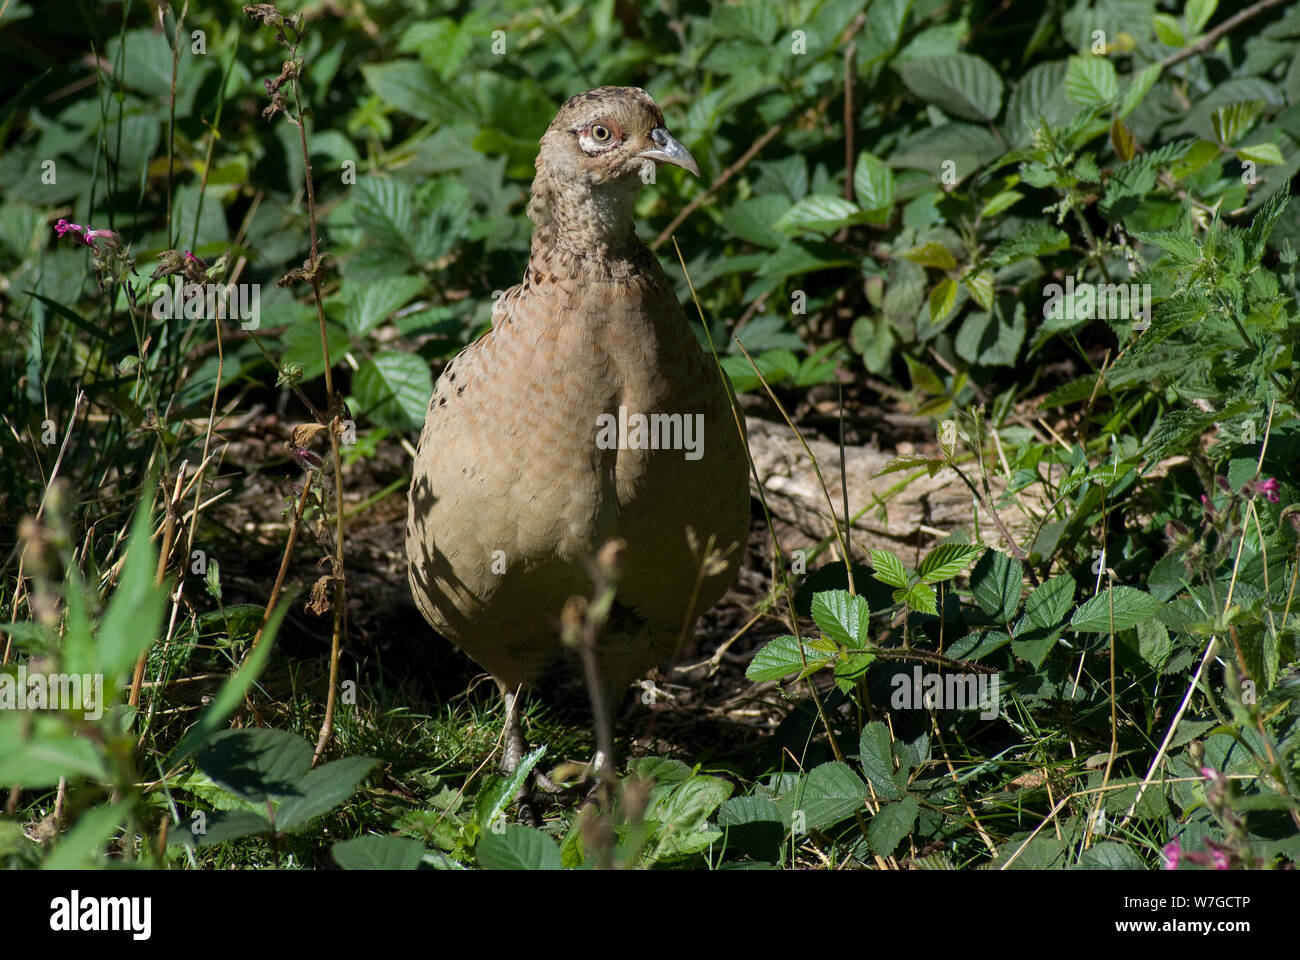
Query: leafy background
pixel 889 189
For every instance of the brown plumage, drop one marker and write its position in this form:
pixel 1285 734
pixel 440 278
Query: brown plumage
pixel 512 493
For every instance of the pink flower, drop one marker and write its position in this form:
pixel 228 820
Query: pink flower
pixel 1219 858
pixel 83 234
pixel 1267 488
pixel 1172 853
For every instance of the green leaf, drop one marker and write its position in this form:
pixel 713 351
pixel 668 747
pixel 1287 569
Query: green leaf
pixel 947 560
pixel 923 378
pixel 999 202
pixel 889 569
pixel 518 847
pixel 1231 121
pixel 1261 227
pixel 39 755
pixel 323 788
pixel 370 304
pixel 1050 601
pixel 819 212
pixel 233 690
pixel 980 286
pixel 995 584
pixel 931 254
pixel 134 615
pixel 413 88
pixel 394 389
pixel 1110 855
pixel 891 824
pixel 1033 240
pixel 920 597
pixel 873 183
pixel 1090 80
pixel 960 84
pixel 829 793
pixel 779 658
pixel 1198 13
pixel 256 764
pixel 682 812
pixel 1269 153
pixel 1131 606
pixel 875 750
pixel 378 853
pixel 1139 86
pixel 1168 31
pixel 842 616
pixel 499 792
pixel 1178 245
pixel 223 825
pixel 1034 645
pixel 942 299
pixel 71 317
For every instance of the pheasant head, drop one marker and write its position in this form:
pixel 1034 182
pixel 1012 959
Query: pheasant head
pixel 597 152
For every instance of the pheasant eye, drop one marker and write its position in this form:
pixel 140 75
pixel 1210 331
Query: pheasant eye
pixel 599 133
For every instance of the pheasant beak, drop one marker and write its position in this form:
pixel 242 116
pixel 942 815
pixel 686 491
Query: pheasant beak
pixel 667 149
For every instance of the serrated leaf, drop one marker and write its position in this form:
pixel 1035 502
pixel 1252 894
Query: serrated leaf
pixel 1033 240
pixel 378 853
pixel 891 824
pixel 889 569
pixel 1034 645
pixel 369 305
pixel 1130 606
pixel 842 616
pixel 995 585
pixel 1198 13
pixel 875 752
pixel 960 84
pixel 1050 601
pixel 1180 246
pixel 518 847
pixel 1090 80
pixel 920 597
pixel 779 658
pixel 829 793
pixel 1267 153
pixel 1262 225
pixel 323 788
pixel 394 389
pixel 946 561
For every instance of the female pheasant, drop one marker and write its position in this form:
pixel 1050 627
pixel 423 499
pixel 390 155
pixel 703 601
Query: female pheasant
pixel 587 412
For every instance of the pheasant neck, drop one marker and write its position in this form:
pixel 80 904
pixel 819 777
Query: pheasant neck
pixel 589 224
